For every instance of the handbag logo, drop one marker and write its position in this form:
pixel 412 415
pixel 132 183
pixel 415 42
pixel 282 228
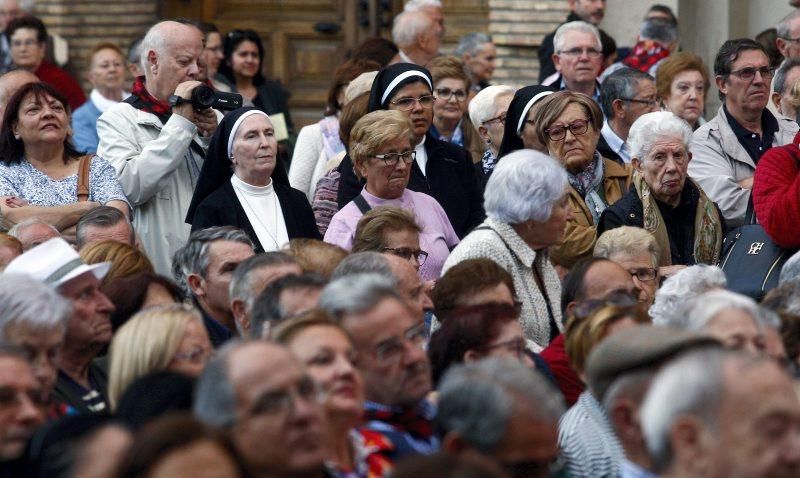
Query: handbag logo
pixel 755 248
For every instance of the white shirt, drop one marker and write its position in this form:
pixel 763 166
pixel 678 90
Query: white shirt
pixel 422 156
pixel 616 143
pixel 264 212
pixel 102 102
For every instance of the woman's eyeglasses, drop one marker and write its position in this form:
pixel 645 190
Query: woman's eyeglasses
pixel 391 159
pixel 446 93
pixel 407 104
pixel 407 253
pixel 559 132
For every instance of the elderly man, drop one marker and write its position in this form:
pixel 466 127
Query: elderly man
pixel 619 371
pixel 788 30
pixel 390 340
pixel 625 95
pixel 104 223
pixel 204 266
pixel 32 232
pixel 658 38
pixel 432 8
pixel 417 37
pixel 34 317
pixel 718 413
pixel 590 11
pixel 578 58
pixel 500 409
pixel 10 83
pixel 20 414
pixel 81 383
pixel 635 250
pixel 157 142
pixel 287 297
pixel 685 223
pixel 727 148
pixel 259 392
pixel 786 76
pixel 250 278
pixel 479 55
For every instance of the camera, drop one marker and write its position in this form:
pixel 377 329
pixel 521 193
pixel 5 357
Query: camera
pixel 204 97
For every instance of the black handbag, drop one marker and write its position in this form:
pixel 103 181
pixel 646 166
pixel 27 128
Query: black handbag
pixel 751 260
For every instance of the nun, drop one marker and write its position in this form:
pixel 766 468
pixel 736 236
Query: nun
pixel 519 132
pixel 442 170
pixel 242 184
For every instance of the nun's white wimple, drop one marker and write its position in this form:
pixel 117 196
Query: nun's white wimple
pixel 237 124
pixel 527 108
pixel 401 77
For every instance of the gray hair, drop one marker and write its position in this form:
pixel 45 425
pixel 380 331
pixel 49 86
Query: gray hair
pixel 782 72
pixel 356 293
pixel 214 395
pixel 471 43
pixel 784 27
pixel 659 29
pixel 103 216
pixel 241 286
pixel 790 272
pixel 669 307
pixel 651 126
pixel 268 309
pixel 17 229
pixel 194 258
pixel 408 26
pixel 576 26
pixel 135 51
pixel 628 241
pixel 367 262
pixel 692 384
pixel 785 298
pixel 417 5
pixel 705 307
pixel 482 106
pixel 620 84
pixel 154 40
pixel 524 186
pixel 26 301
pixel 477 400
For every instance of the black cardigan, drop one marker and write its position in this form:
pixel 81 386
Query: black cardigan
pixel 450 179
pixel 222 208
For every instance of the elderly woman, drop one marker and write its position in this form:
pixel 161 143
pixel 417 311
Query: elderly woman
pixel 479 55
pixel 329 356
pixel 380 145
pixel 635 250
pixel 670 305
pixel 319 143
pixel 39 168
pixel 442 170
pixel 681 84
pixel 733 319
pixel 254 196
pixel 519 130
pixel 169 338
pixel 569 124
pixel 107 75
pixel 27 37
pixel 472 282
pixel 450 120
pixel 686 224
pixel 487 111
pixel 393 230
pixel 527 208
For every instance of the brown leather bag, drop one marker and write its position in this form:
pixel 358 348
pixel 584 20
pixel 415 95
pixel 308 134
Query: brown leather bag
pixel 83 177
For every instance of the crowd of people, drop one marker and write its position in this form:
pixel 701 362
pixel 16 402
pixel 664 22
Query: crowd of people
pixel 443 276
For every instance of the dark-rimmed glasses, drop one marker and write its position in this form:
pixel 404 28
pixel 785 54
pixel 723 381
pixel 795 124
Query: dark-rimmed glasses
pixel 391 159
pixel 644 274
pixel 501 118
pixel 446 93
pixel 406 104
pixel 559 132
pixel 749 73
pixel 407 253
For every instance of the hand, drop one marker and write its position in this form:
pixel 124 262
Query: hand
pixel 206 121
pixel 12 201
pixel 184 90
pixel 747 183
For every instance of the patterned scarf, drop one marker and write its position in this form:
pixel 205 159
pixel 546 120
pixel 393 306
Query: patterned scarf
pixel 586 184
pixel 645 54
pixel 707 225
pixel 488 161
pixel 412 420
pixel 143 100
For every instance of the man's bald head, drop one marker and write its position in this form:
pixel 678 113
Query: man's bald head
pixel 170 54
pixel 10 83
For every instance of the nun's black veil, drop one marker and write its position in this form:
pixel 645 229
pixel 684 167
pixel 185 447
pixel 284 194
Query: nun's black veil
pixel 511 140
pixel 385 80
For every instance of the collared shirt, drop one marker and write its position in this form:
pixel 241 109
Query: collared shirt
pixel 404 58
pixel 595 96
pixel 403 442
pixel 422 156
pixel 629 469
pixel 754 145
pixel 587 441
pixel 617 144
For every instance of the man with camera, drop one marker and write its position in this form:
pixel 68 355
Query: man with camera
pixel 157 139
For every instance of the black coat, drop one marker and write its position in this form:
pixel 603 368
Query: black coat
pixel 222 208
pixel 451 180
pixel 605 151
pixel 546 50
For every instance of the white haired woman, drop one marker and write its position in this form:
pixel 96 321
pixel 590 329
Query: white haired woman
pixel 487 111
pixel 670 306
pixel 686 224
pixel 733 319
pixel 527 209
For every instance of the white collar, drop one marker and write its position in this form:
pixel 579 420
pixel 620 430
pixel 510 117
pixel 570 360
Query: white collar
pixel 101 102
pixel 615 142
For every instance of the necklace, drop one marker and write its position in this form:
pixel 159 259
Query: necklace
pixel 258 217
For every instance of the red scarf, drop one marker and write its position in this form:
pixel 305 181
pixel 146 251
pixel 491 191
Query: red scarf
pixel 645 54
pixel 147 102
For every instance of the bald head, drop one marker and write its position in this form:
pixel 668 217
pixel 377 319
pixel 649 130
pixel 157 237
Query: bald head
pixel 10 83
pixel 170 54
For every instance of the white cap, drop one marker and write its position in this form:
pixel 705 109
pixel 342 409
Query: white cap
pixel 54 262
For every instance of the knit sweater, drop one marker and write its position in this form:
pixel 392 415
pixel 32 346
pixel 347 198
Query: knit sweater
pixel 776 193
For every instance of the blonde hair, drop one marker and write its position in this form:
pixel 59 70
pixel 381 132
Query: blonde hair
pixel 374 130
pixel 125 259
pixel 372 227
pixel 629 241
pixel 146 343
pixel 316 256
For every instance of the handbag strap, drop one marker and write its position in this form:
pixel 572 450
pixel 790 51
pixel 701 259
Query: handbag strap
pixel 83 177
pixel 362 204
pixel 750 215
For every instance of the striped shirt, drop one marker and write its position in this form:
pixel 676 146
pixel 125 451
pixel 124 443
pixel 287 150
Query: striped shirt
pixel 587 441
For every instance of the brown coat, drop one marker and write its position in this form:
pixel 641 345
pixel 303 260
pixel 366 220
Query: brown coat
pixel 581 233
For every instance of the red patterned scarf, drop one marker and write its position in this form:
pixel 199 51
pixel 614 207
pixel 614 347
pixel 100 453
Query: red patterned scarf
pixel 142 99
pixel 645 54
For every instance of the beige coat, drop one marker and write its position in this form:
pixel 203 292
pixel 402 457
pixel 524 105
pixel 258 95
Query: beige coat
pixel 719 162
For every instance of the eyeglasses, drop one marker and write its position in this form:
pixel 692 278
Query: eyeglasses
pixel 446 93
pixel 620 298
pixel 515 346
pixel 281 402
pixel 391 159
pixel 407 253
pixel 644 274
pixel 559 132
pixel 749 73
pixel 392 349
pixel 501 118
pixel 650 102
pixel 793 40
pixel 10 397
pixel 576 52
pixel 407 104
